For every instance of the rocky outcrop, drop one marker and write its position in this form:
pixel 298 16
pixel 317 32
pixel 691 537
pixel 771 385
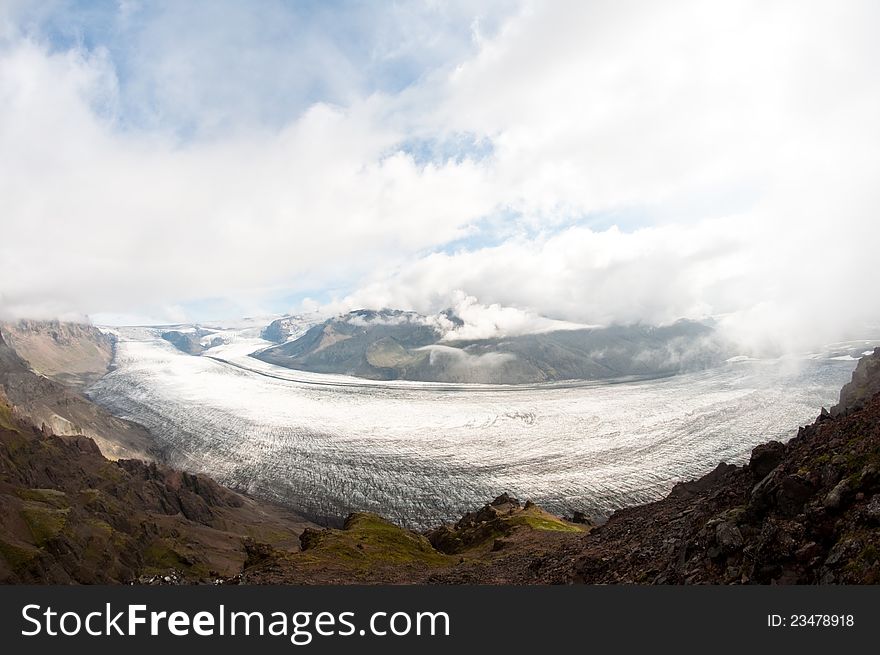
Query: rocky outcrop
pixel 186 342
pixel 282 329
pixel 865 385
pixel 369 549
pixel 494 523
pixel 765 458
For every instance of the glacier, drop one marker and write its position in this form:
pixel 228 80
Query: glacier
pixel 422 453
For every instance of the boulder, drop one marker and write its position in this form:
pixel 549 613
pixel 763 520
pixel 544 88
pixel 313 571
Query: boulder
pixel 763 494
pixel 729 537
pixel 872 510
pixel 703 484
pixel 504 499
pixel 794 491
pixel 765 458
pixel 869 478
pixel 834 498
pixel 311 537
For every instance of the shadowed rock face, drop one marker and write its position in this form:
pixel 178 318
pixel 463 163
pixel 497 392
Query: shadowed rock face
pixel 864 385
pixel 282 329
pixel 192 342
pixel 391 344
pixel 185 342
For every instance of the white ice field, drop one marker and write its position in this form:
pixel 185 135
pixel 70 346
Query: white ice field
pixel 421 453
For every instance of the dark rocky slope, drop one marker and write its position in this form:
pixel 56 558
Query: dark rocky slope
pixel 805 512
pixel 68 515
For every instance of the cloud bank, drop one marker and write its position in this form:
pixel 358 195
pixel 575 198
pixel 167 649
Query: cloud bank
pixel 588 162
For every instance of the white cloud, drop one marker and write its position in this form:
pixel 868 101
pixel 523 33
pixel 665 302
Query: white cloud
pixel 104 220
pixel 492 321
pixel 656 274
pixel 474 319
pixel 744 136
pixel 737 145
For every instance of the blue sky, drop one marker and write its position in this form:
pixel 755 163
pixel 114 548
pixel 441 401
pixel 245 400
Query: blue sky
pixel 263 62
pixel 592 162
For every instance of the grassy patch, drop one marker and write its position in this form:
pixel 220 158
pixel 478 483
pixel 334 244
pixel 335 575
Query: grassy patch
pixel 17 446
pixel 52 497
pixel 16 556
pixel 6 420
pixel 537 519
pixel 545 524
pixel 44 523
pixel 162 555
pixel 100 527
pixel 869 554
pixel 159 556
pixel 98 502
pixel 369 540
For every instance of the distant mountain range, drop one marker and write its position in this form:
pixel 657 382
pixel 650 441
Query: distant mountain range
pixel 399 345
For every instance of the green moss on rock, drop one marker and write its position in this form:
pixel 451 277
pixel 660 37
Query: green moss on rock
pixel 545 523
pixel 17 557
pixel 44 523
pixel 52 497
pixel 368 540
pixel 7 422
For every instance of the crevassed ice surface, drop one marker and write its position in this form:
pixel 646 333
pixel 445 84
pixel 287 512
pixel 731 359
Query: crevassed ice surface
pixel 422 454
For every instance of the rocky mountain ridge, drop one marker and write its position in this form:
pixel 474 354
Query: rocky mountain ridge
pixel 74 354
pixel 394 344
